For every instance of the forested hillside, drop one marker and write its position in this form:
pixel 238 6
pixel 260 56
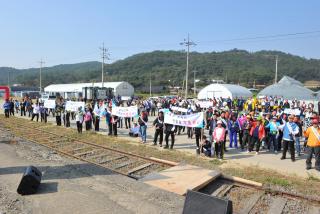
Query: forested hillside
pixel 235 66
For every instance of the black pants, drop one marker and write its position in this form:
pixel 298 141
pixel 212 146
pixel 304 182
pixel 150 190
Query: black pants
pixel 43 117
pixel 68 119
pixel 156 134
pixel 225 140
pixel 190 132
pixel 316 152
pixel 23 111
pixel 279 139
pixel 240 137
pixel 273 143
pixel 79 127
pixel 114 127
pixel 120 123
pixel 7 113
pixel 198 139
pixel 58 120
pixel 97 124
pixel 12 111
pixel 88 125
pixel 35 115
pixel 127 122
pixel 110 128
pixel 245 139
pixel 255 141
pixel 287 144
pixel 218 149
pixel 169 133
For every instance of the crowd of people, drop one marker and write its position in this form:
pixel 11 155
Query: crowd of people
pixel 269 123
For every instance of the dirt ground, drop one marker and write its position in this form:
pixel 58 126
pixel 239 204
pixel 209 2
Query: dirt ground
pixel 71 186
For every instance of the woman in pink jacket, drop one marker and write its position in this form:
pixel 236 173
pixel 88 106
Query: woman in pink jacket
pixel 218 137
pixel 88 119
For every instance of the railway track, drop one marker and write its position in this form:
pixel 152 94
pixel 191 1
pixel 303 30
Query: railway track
pixel 246 198
pixel 124 163
pixel 252 199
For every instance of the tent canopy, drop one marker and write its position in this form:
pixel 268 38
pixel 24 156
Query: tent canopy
pixel 288 88
pixel 224 91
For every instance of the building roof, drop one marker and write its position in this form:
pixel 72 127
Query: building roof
pixel 289 81
pixel 23 88
pixel 288 88
pixel 224 90
pixel 77 87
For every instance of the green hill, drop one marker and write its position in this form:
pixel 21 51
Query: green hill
pixel 232 66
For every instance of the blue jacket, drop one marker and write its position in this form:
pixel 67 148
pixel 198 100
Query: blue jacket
pixel 7 105
pixel 289 132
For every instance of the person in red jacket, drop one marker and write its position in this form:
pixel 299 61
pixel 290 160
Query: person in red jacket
pixel 257 133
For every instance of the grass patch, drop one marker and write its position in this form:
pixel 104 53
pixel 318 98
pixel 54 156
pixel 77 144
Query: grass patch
pixel 278 181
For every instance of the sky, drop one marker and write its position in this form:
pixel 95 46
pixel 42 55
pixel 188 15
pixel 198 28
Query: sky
pixel 71 31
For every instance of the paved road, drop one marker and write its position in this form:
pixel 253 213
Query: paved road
pixel 71 186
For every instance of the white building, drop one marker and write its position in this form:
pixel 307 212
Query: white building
pixel 224 91
pixel 75 89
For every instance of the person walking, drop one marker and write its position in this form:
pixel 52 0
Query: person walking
pixel 247 124
pixel 169 132
pixel 272 126
pixel 88 119
pixel 290 129
pixel 313 135
pixel 257 133
pixel 79 119
pixel 6 107
pixel 158 124
pixel 233 130
pixel 35 111
pixel 143 119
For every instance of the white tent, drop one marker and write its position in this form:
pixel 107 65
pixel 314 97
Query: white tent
pixel 224 91
pixel 119 88
pixel 288 88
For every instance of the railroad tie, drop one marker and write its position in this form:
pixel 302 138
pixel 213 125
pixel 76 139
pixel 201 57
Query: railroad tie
pixel 111 159
pixel 85 153
pixel 140 168
pixel 277 205
pixel 123 164
pixel 251 202
pixel 221 191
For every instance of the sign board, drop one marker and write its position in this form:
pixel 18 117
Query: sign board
pixel 131 111
pixel 190 120
pixel 292 111
pixel 205 104
pixel 74 106
pixel 49 104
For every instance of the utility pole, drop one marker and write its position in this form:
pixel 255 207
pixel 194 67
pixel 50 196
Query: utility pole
pixel 187 43
pixel 276 76
pixel 194 81
pixel 104 56
pixel 41 63
pixel 8 78
pixel 150 83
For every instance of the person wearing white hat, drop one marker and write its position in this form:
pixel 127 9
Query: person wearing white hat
pixel 218 137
